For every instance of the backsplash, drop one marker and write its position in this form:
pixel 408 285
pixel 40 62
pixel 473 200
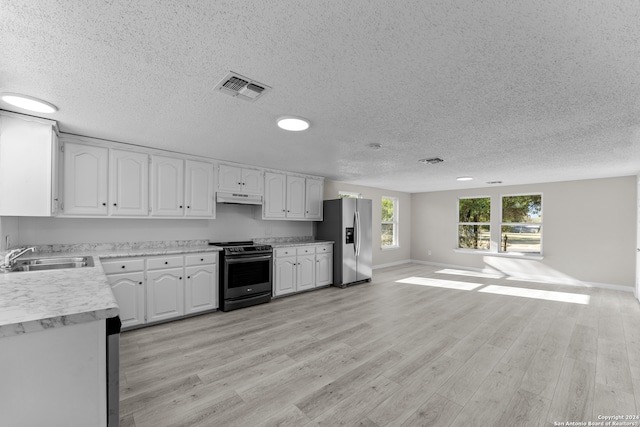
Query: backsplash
pixel 119 246
pixel 295 239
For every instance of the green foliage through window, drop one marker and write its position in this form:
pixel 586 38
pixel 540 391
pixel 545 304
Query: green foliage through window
pixel 474 216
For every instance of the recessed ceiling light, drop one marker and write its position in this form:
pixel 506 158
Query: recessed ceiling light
pixel 464 178
pixel 28 103
pixel 293 124
pixel 374 146
pixel 494 182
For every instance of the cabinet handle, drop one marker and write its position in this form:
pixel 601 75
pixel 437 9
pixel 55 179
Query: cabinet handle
pixel 239 183
pixel 166 262
pixel 104 204
pixel 180 206
pixel 139 283
pixel 123 266
pixel 115 204
pixel 201 259
pixel 188 207
pixel 180 278
pixel 188 277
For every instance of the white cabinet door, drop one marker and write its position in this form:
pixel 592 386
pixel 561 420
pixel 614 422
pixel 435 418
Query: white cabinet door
pixel 28 166
pixel 199 189
pixel 285 277
pixel 167 186
pixel 295 197
pixel 85 179
pixel 229 178
pixel 306 272
pixel 165 294
pixel 129 183
pixel 324 269
pixel 128 288
pixel 252 181
pixel 201 291
pixel 313 198
pixel 275 192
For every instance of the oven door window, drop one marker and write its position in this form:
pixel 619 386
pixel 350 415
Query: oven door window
pixel 247 272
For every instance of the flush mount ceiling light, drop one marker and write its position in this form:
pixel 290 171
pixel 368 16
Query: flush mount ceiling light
pixel 28 103
pixel 293 124
pixel 464 178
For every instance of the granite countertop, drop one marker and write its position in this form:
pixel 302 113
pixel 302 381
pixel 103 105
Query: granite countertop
pixel 299 243
pixel 38 300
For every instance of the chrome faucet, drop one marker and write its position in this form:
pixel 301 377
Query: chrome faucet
pixel 11 257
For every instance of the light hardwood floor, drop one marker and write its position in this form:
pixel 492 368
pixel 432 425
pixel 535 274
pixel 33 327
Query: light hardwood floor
pixel 442 349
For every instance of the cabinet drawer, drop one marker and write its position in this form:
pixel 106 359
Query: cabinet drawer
pixel 123 265
pixel 164 262
pixel 198 259
pixel 305 250
pixel 320 249
pixel 280 252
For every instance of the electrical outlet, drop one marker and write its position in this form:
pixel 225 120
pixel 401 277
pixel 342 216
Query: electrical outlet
pixel 429 253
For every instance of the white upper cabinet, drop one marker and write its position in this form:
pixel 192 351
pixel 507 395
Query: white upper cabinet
pixel 240 180
pixel 167 186
pixel 199 178
pixel 28 166
pixel 313 199
pixel 295 196
pixel 129 183
pixel 275 195
pixel 85 180
pixel 292 197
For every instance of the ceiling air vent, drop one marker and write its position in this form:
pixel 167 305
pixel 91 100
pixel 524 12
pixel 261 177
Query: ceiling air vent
pixel 241 87
pixel 431 161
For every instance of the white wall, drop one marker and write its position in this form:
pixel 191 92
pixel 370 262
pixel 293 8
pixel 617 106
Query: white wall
pixel 387 256
pixel 233 222
pixel 589 231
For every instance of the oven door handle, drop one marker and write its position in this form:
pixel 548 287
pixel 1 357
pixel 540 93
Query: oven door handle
pixel 247 259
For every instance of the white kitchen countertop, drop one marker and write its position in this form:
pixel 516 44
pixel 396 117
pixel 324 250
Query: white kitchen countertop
pixel 37 300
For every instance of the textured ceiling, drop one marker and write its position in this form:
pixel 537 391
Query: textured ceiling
pixel 520 92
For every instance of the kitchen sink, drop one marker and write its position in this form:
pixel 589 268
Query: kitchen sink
pixel 41 264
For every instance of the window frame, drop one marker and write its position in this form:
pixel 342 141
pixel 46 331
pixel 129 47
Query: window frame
pixel 512 224
pixel 395 243
pixel 459 223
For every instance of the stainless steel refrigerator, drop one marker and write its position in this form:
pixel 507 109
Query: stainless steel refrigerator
pixel 348 223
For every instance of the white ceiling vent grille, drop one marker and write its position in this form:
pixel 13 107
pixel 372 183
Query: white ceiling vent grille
pixel 241 87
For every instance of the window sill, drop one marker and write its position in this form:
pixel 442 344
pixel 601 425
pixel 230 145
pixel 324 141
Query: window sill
pixel 389 248
pixel 500 254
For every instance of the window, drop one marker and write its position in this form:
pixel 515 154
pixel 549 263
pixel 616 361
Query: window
pixel 521 225
pixel 389 227
pixel 474 218
pixel 349 194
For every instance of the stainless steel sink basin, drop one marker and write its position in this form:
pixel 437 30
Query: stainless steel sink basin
pixel 40 264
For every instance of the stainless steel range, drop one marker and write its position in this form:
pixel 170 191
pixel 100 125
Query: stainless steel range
pixel 245 274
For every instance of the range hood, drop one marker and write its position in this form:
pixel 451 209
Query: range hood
pixel 239 198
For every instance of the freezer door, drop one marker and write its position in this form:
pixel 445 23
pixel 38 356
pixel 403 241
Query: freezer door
pixel 364 239
pixel 349 264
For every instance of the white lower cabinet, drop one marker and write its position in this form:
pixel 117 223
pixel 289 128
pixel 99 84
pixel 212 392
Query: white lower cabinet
pixel 162 288
pixel 300 268
pixel 126 277
pixel 165 294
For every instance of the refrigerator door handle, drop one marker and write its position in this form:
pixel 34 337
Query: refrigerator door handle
pixel 357 242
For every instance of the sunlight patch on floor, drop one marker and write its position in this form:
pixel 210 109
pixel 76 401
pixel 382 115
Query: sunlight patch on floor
pixel 537 294
pixel 448 284
pixel 470 273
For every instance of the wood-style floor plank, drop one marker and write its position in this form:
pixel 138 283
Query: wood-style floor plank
pixel 419 345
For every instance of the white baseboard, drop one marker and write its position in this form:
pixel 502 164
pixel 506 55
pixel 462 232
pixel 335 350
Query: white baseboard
pixel 535 278
pixel 392 264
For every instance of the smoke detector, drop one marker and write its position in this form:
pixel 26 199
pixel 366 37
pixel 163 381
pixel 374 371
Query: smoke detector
pixel 241 87
pixel 431 161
